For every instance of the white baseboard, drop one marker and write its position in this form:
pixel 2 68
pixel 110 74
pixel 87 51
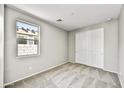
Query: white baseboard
pixel 110 71
pixel 121 79
pixel 33 74
pixel 71 61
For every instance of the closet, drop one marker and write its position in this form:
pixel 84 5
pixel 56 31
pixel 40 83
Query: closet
pixel 90 47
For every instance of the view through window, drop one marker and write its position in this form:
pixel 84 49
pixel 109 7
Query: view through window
pixel 27 38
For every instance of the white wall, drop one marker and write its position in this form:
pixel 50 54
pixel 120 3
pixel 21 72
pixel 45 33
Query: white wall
pixel 53 48
pixel 1 45
pixel 110 41
pixel 121 46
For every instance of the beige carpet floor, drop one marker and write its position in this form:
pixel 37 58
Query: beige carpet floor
pixel 71 75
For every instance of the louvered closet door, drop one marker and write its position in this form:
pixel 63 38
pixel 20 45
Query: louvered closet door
pixel 90 47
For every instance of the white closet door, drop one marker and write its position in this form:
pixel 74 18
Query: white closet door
pixel 90 47
pixel 82 45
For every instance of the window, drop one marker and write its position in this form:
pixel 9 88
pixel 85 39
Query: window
pixel 27 35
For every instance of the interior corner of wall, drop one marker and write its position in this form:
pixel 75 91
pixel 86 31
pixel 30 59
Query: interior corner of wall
pixel 121 79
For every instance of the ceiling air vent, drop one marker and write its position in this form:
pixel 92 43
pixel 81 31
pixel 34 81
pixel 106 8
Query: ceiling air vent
pixel 59 20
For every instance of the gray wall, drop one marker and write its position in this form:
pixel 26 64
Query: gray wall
pixel 53 48
pixel 121 46
pixel 110 41
pixel 1 45
pixel 71 44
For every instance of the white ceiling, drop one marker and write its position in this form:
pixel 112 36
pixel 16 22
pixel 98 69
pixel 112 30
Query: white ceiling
pixel 74 15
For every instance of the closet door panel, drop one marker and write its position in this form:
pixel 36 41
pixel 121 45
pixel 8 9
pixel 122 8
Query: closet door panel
pixel 82 45
pixel 89 47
